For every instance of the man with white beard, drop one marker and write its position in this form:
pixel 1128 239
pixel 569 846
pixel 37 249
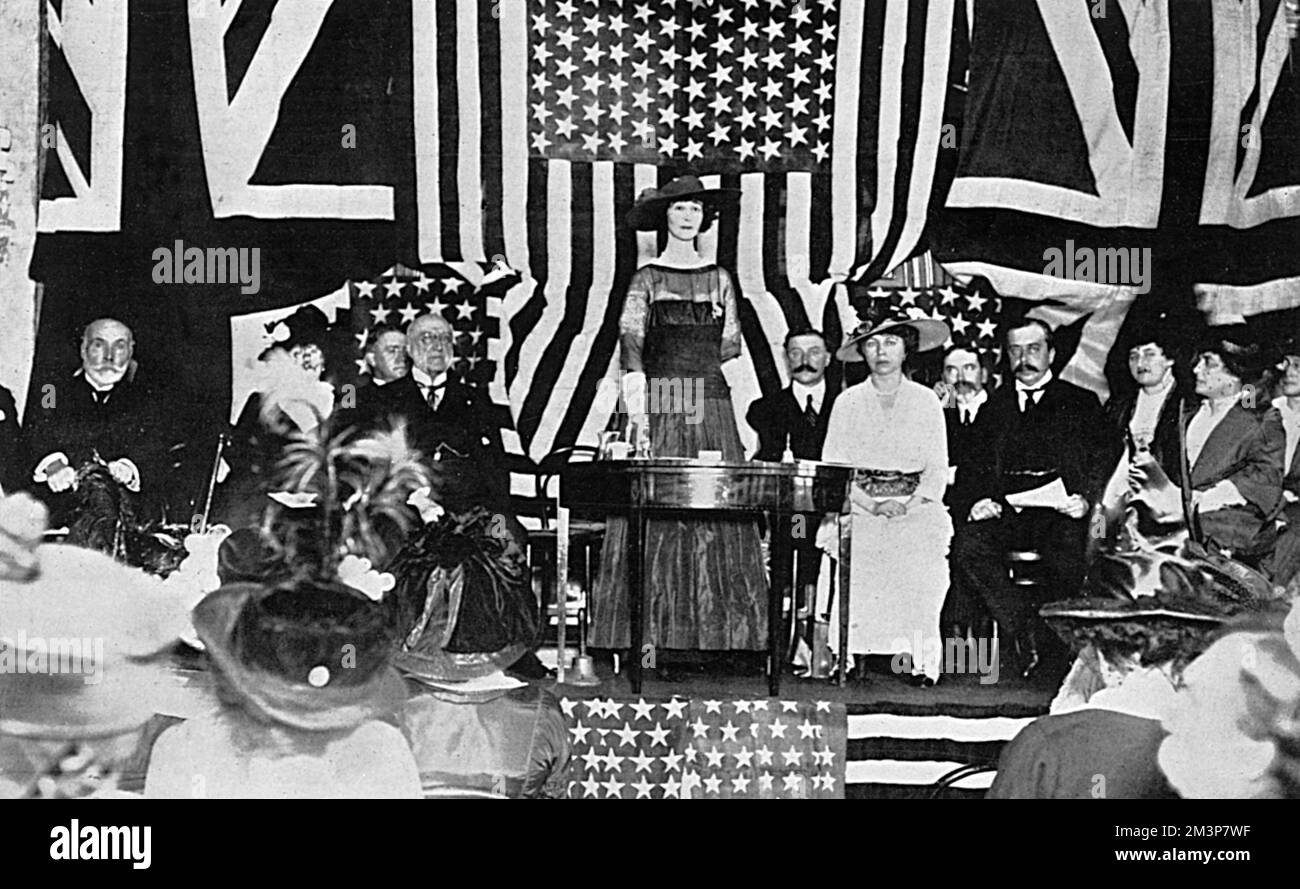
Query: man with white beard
pixel 99 412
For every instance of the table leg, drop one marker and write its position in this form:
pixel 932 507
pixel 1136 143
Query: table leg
pixel 846 547
pixel 775 622
pixel 561 584
pixel 636 591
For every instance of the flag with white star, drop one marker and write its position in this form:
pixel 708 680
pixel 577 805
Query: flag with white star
pixel 682 748
pixel 722 85
pixel 550 117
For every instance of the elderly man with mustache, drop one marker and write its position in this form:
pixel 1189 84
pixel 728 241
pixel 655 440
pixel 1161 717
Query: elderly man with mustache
pixel 98 412
pixel 1034 469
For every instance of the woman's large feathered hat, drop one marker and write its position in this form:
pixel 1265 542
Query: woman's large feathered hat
pixel 650 205
pixel 79 635
pixel 310 657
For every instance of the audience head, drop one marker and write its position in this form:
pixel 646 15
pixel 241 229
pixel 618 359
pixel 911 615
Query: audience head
pixel 1227 362
pixel 107 346
pixel 1029 350
pixel 965 369
pixel 386 357
pixel 430 341
pixel 1151 362
pixel 806 355
pixel 1289 368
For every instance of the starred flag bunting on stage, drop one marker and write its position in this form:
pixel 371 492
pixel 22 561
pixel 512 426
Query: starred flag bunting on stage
pixel 972 317
pixel 398 297
pixel 706 749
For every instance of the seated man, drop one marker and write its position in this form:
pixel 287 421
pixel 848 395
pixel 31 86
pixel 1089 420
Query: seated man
pixel 1039 437
pixel 794 421
pixel 385 360
pixel 450 424
pixel 1235 448
pixel 102 413
pixel 963 390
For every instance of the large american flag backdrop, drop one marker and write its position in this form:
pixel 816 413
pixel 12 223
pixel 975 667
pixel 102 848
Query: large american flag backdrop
pixel 494 147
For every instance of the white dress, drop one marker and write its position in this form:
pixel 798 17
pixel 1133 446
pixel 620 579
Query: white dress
pixel 899 565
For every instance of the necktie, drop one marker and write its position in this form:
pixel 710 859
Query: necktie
pixel 810 413
pixel 1031 399
pixel 432 393
pixel 965 417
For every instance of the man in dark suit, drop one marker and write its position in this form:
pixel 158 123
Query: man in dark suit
pixel 100 411
pixel 452 427
pixel 796 419
pixel 386 361
pixel 963 391
pixel 14 460
pixel 1039 434
pixel 448 422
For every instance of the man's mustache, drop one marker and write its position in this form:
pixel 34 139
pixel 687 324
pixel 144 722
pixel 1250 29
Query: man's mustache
pixel 804 367
pixel 965 386
pixel 1027 365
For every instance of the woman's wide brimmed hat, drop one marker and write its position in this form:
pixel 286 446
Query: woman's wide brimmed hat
pixel 310 657
pixel 79 635
pixel 1193 587
pixel 932 334
pixel 649 208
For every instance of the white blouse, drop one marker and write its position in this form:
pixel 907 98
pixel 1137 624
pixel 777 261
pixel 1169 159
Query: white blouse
pixel 909 437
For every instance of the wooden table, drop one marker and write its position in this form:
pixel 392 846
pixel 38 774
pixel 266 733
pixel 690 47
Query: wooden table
pixel 641 487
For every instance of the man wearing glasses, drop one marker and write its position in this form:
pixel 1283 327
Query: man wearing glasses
pixel 449 422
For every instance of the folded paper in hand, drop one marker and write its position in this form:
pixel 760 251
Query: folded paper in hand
pixel 1049 496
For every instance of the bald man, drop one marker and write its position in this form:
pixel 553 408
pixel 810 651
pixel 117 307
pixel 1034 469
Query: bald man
pixel 97 412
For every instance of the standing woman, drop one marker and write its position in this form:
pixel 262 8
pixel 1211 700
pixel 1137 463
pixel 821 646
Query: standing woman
pixel 705 588
pixel 893 430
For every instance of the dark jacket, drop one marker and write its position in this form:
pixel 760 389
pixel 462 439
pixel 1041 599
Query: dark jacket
pixel 1164 445
pixel 961 444
pixel 15 463
pixel 131 422
pixel 1247 448
pixel 462 430
pixel 1064 433
pixel 1087 754
pixel 778 417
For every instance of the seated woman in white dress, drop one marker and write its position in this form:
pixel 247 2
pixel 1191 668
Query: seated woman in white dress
pixel 893 430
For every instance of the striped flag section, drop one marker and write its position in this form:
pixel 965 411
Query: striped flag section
pixel 899 751
pixel 538 124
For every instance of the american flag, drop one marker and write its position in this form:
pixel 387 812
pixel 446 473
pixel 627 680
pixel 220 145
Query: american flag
pixel 538 122
pixel 683 748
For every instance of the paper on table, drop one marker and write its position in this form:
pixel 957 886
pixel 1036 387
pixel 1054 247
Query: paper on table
pixel 1049 496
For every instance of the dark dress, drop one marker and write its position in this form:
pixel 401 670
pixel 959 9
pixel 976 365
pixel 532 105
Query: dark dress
pixel 705 586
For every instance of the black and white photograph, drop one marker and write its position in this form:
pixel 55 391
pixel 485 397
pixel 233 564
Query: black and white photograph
pixel 651 399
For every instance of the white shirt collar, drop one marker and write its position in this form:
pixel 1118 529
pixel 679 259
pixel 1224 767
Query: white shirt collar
pixel 1042 384
pixel 424 381
pixel 801 393
pixel 1161 392
pixel 975 403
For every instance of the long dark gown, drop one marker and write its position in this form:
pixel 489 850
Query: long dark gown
pixel 705 585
